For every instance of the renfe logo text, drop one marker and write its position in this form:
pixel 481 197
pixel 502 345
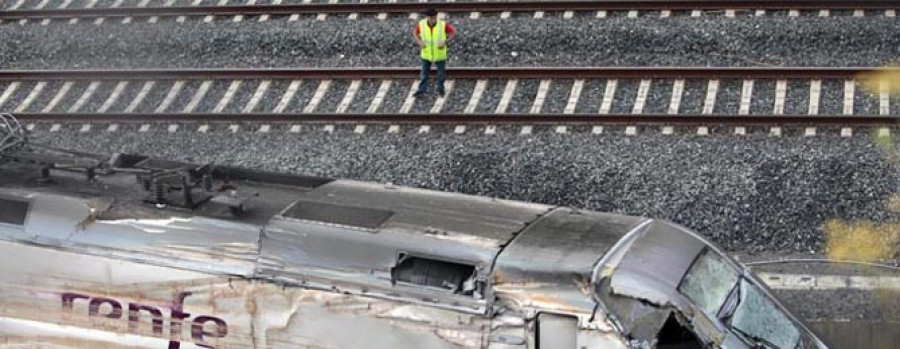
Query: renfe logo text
pixel 177 317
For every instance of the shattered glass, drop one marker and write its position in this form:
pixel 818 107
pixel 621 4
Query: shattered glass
pixel 757 318
pixel 708 282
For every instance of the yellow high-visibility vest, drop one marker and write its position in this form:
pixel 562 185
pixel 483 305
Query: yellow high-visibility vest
pixel 431 39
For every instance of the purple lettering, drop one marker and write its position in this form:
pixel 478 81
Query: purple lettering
pixel 94 308
pixel 197 331
pixel 134 318
pixel 68 300
pixel 178 317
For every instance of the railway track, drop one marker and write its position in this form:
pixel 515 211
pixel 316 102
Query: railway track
pixel 757 97
pixel 629 125
pixel 20 10
pixel 459 72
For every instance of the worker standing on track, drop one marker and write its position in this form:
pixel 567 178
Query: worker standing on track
pixel 433 36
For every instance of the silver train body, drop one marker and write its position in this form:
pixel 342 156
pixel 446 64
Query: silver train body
pixel 147 253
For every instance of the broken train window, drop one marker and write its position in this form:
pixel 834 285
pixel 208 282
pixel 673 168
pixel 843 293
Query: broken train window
pixel 456 278
pixel 759 321
pixel 708 282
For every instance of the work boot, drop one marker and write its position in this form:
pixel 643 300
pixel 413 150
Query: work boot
pixel 440 93
pixel 419 94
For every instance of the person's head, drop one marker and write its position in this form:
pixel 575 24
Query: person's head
pixel 431 14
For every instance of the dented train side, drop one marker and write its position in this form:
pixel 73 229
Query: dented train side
pixel 77 274
pixel 61 299
pixel 273 261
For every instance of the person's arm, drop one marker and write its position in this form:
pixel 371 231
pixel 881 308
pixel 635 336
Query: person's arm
pixel 418 37
pixel 450 33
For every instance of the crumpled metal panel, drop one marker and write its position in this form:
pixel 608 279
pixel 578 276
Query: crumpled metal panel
pixel 637 282
pixel 297 252
pixel 550 264
pixel 58 299
pixel 639 319
pixel 443 226
pixel 104 272
pixel 656 262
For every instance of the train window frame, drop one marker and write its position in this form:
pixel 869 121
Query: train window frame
pixel 18 219
pixel 706 256
pixel 740 312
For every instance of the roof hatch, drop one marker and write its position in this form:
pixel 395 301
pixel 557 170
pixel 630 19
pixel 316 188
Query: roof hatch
pixel 363 217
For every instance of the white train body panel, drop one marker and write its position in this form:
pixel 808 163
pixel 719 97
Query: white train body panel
pixel 279 261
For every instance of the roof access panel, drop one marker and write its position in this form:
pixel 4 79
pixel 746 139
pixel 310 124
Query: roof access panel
pixel 477 221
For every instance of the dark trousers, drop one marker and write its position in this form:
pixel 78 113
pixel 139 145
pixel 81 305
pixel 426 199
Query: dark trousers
pixel 441 75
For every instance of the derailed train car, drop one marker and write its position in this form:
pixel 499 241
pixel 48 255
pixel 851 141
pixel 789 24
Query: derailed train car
pixel 132 251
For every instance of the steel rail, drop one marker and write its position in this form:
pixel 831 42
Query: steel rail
pixel 458 73
pixel 470 119
pixel 466 6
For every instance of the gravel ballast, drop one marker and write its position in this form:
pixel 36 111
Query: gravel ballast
pixel 752 193
pixel 554 41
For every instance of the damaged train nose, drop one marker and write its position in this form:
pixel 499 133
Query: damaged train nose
pixel 665 286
